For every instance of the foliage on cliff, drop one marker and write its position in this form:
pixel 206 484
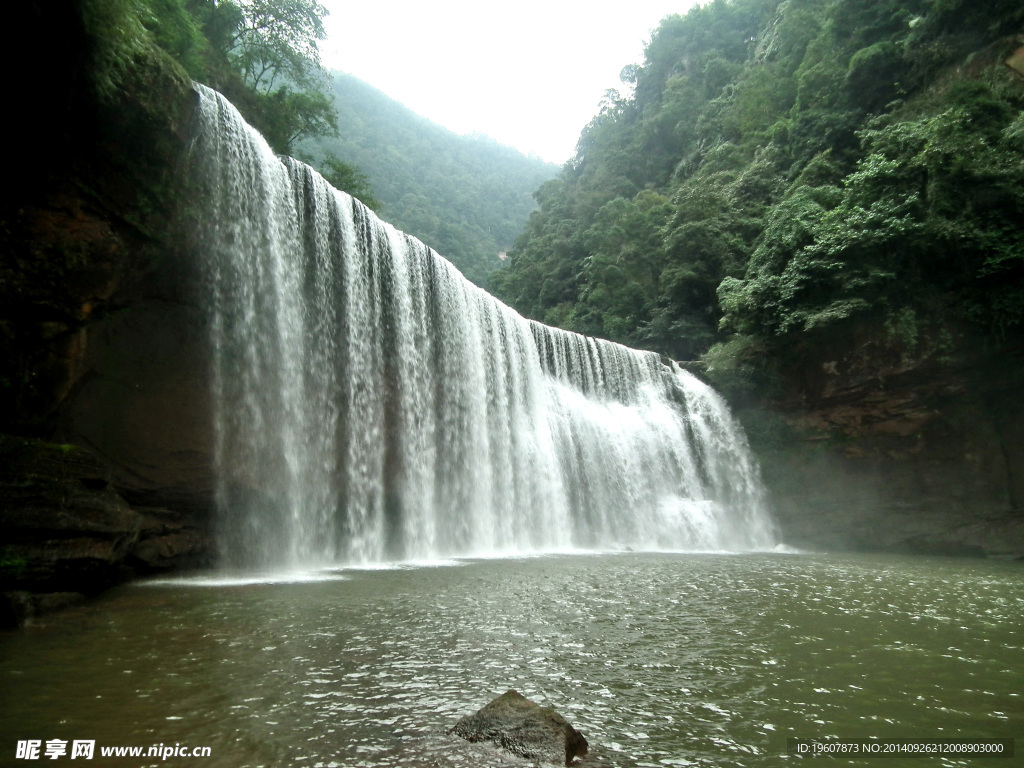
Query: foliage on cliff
pixel 783 168
pixel 465 197
pixel 262 54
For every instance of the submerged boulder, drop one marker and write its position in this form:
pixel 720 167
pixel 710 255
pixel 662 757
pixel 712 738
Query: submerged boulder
pixel 525 729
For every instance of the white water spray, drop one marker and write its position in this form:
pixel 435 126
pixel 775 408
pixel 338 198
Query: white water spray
pixel 371 404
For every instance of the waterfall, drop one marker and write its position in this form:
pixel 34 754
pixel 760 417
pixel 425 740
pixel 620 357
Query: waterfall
pixel 371 404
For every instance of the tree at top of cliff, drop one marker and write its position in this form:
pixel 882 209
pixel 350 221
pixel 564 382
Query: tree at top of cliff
pixel 262 54
pixel 278 39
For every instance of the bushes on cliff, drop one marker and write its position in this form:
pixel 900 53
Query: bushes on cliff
pixel 823 164
pixel 261 54
pixel 933 210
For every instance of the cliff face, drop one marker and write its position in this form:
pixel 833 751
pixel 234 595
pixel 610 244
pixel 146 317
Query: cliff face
pixel 881 447
pixel 102 334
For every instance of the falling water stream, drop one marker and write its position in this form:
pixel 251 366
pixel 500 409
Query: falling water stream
pixel 372 404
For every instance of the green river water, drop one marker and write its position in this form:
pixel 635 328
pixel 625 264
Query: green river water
pixel 659 659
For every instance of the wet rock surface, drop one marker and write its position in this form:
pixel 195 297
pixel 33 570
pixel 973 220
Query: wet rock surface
pixel 525 729
pixel 105 469
pixel 143 405
pixel 67 533
pixel 876 448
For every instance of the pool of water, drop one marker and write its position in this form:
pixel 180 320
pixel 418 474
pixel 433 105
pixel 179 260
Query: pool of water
pixel 659 659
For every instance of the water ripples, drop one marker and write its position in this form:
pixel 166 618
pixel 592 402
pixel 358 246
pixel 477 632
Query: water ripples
pixel 661 660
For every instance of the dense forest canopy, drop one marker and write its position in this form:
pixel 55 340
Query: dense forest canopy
pixel 782 168
pixel 467 197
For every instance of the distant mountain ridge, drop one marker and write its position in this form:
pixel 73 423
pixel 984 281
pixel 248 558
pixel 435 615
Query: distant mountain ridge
pixel 467 197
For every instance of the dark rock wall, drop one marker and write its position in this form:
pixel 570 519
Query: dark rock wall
pixel 67 532
pixel 878 447
pixel 102 331
pixel 142 403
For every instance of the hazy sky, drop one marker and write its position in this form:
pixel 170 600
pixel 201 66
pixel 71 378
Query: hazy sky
pixel 528 73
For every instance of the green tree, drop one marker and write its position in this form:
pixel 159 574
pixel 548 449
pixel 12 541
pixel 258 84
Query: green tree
pixel 276 40
pixel 929 215
pixel 262 54
pixel 349 179
pixel 285 116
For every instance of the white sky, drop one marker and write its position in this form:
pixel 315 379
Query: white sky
pixel 528 73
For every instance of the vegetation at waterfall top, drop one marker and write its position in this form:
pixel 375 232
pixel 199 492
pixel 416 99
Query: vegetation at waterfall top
pixel 261 54
pixel 466 197
pixel 776 171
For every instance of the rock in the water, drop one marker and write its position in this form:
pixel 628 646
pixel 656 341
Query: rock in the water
pixel 524 728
